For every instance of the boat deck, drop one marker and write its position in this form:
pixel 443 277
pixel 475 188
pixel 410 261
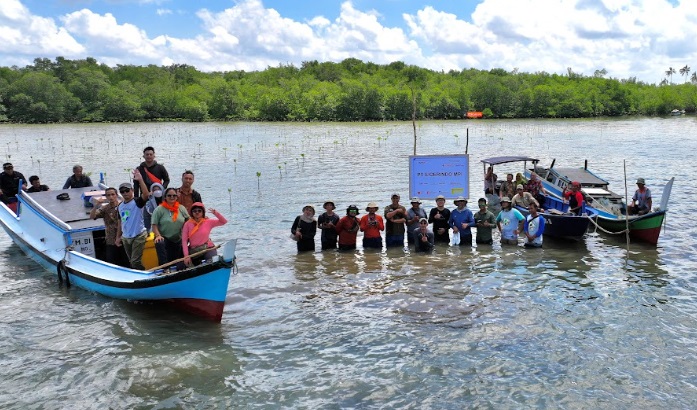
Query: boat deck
pixel 73 211
pixel 583 176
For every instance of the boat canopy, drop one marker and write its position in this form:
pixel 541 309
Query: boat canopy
pixel 504 160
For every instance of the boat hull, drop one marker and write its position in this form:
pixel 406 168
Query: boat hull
pixel 561 225
pixel 645 228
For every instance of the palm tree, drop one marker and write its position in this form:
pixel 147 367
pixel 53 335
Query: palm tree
pixel 685 71
pixel 670 73
pixel 693 79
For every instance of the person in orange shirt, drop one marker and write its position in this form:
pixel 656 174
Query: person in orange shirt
pixel 371 225
pixel 347 229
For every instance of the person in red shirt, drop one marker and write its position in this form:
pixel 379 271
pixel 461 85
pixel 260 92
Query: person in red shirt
pixel 575 197
pixel 371 225
pixel 347 229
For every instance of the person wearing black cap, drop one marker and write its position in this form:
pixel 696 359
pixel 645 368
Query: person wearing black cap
pixel 347 229
pixel 327 223
pixel 9 184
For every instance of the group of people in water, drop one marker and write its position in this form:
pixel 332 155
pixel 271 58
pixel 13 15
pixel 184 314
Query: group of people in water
pixel 422 229
pixel 176 216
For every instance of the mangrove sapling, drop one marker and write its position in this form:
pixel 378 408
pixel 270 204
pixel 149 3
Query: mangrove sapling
pixel 258 180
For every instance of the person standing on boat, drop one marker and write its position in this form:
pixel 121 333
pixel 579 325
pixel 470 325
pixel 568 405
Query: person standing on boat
pixel 534 228
pixel 348 227
pixel 196 234
pixel 641 201
pixel 572 192
pixel 187 194
pixel 131 231
pixel 485 221
pixel 371 225
pixel 507 187
pixel 78 179
pixel 439 217
pixel 395 218
pixel 154 200
pixel 167 223
pixel 414 215
pixel 36 185
pixel 423 239
pixel 151 171
pixel 108 208
pixel 462 220
pixel 510 222
pixel 327 223
pixel 523 199
pixel 490 179
pixel 304 229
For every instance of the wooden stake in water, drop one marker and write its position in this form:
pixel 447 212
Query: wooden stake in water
pixel 626 202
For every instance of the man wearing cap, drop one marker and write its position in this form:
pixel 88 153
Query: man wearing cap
pixel 641 201
pixel 439 217
pixel 485 221
pixel 523 199
pixel 462 221
pixel 327 223
pixel 423 238
pixel 371 225
pixel 9 184
pixel 414 215
pixel 131 232
pixel 107 207
pixel 509 222
pixel 395 217
pixel 347 228
pixel 573 193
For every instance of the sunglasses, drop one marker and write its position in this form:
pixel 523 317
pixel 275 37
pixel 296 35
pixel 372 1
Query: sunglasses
pixel 124 190
pixel 171 195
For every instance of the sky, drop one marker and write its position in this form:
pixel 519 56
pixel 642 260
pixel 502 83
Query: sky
pixel 627 38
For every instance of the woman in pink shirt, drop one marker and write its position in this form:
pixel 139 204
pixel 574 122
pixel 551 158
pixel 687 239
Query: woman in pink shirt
pixel 196 233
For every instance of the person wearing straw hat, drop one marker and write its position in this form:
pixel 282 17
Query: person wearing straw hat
pixel 371 225
pixel 510 222
pixel 439 217
pixel 327 223
pixel 304 229
pixel 462 221
pixel 347 229
pixel 414 215
pixel 641 201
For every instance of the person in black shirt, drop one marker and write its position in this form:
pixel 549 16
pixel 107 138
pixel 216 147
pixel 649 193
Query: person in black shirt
pixel 9 183
pixel 78 179
pixel 36 185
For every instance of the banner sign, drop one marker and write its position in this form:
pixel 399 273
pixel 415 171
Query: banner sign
pixel 433 175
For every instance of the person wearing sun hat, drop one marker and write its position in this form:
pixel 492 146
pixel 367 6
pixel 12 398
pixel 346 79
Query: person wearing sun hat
pixel 510 222
pixel 327 223
pixel 371 225
pixel 462 221
pixel 304 229
pixel 641 201
pixel 439 217
pixel 196 234
pixel 414 215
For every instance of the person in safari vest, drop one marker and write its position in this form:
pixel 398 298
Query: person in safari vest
pixel 152 173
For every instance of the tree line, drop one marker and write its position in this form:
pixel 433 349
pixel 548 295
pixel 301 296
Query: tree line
pixel 351 90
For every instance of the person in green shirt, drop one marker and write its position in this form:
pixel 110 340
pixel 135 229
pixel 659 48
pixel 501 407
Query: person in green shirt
pixel 167 222
pixel 485 221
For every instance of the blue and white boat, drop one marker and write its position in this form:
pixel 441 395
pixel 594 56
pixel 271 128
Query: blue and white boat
pixel 60 236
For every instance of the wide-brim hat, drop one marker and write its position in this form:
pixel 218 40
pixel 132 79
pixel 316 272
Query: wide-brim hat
pixel 329 202
pixel 641 181
pixel 309 206
pixel 371 205
pixel 415 200
pixel 460 199
pixel 506 199
pixel 440 197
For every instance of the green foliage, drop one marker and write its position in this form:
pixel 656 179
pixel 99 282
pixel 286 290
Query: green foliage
pixel 351 90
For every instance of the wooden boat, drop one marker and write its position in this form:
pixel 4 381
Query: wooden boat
pixel 558 222
pixel 60 236
pixel 676 112
pixel 610 206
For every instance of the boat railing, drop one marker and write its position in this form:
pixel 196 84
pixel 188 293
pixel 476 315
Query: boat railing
pixel 29 201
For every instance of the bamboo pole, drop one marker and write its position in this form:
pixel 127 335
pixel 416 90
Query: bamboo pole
pixel 626 203
pixel 174 262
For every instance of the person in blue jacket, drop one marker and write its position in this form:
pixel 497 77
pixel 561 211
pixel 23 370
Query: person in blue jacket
pixel 462 220
pixel 534 228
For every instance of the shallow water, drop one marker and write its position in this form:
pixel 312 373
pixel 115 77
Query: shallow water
pixel 572 325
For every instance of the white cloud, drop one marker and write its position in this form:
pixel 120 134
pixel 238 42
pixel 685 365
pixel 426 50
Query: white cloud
pixel 162 12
